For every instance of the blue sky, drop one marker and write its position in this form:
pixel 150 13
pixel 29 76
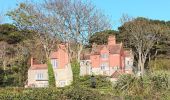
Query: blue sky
pixel 154 9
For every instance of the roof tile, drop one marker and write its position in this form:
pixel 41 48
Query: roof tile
pixel 38 66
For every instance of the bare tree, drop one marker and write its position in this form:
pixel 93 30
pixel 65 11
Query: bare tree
pixel 68 20
pixel 76 20
pixel 142 35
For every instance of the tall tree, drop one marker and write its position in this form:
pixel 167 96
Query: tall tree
pixel 13 55
pixel 142 35
pixel 32 17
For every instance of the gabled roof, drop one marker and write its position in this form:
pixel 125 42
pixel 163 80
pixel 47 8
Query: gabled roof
pixel 38 66
pixel 128 53
pixel 85 54
pixel 116 74
pixel 96 50
pixel 54 55
pixel 113 49
pixel 85 57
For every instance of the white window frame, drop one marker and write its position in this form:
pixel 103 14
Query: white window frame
pixel 39 76
pixel 62 83
pixel 104 56
pixel 104 66
pixel 116 68
pixel 54 63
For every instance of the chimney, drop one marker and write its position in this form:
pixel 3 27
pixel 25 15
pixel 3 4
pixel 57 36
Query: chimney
pixel 94 45
pixel 111 40
pixel 32 61
pixel 62 46
pixel 66 44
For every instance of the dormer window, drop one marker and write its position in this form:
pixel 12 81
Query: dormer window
pixel 104 56
pixel 54 63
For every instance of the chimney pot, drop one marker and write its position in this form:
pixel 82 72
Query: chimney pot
pixel 32 61
pixel 111 40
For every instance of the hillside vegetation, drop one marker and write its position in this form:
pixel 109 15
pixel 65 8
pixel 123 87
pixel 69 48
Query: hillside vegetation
pixel 151 86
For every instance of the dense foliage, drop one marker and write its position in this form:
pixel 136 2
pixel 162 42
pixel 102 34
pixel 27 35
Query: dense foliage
pixel 159 64
pixel 10 34
pixel 102 37
pixel 51 77
pixel 13 55
pixel 16 48
pixel 76 70
pixel 77 93
pixel 102 82
pixel 151 86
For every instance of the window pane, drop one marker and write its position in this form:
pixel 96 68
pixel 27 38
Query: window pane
pixel 104 56
pixel 39 76
pixel 54 63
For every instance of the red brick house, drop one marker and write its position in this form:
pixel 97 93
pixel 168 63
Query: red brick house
pixel 38 73
pixel 107 59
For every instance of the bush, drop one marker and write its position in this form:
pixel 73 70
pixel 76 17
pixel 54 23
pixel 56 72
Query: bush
pixel 151 86
pixel 69 93
pixel 31 94
pixel 51 76
pixel 159 81
pixel 79 93
pixel 159 64
pixel 129 85
pixel 85 81
pixel 76 70
pixel 101 82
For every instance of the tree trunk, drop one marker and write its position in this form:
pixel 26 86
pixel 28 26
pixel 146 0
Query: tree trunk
pixel 141 64
pixel 142 68
pixel 4 64
pixel 79 52
pixel 70 52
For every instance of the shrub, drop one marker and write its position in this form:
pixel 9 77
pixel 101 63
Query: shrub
pixel 32 94
pixel 85 81
pixel 159 64
pixel 129 85
pixel 79 93
pixel 151 86
pixel 76 70
pixel 69 93
pixel 101 82
pixel 159 81
pixel 51 77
